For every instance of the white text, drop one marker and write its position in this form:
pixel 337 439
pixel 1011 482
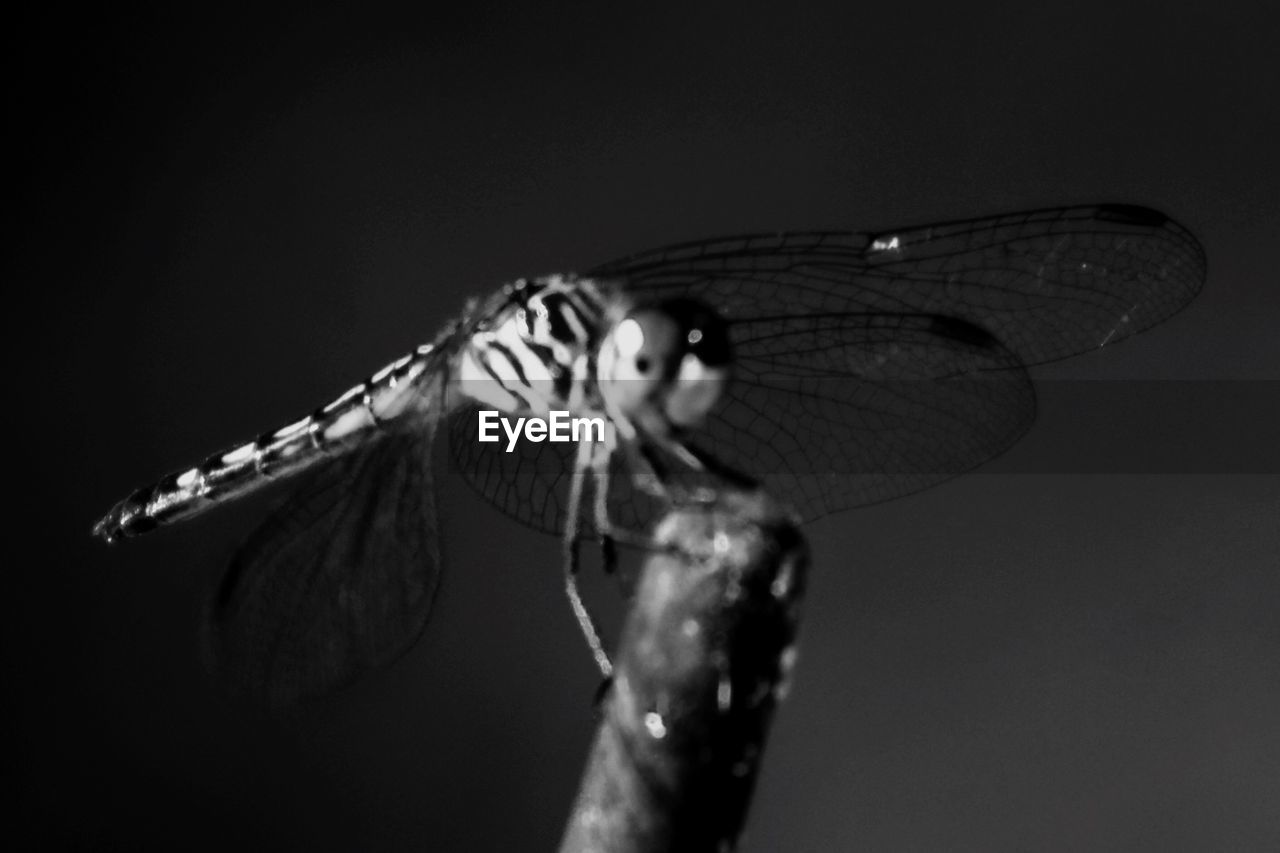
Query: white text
pixel 560 427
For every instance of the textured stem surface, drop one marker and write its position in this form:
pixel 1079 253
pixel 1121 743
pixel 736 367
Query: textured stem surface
pixel 704 659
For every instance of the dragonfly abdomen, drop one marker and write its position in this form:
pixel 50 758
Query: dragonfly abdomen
pixel 329 431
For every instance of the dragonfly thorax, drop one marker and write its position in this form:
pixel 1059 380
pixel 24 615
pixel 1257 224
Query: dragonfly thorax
pixel 533 354
pixel 664 366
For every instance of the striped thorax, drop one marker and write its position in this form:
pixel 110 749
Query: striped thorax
pixel 535 354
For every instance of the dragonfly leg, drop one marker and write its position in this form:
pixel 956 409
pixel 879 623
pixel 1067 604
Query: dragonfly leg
pixel 610 536
pixel 570 561
pixel 600 506
pixel 701 459
pixel 693 460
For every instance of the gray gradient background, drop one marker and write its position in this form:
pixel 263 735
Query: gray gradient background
pixel 225 219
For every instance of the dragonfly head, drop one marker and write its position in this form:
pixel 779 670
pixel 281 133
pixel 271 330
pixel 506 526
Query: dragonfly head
pixel 665 365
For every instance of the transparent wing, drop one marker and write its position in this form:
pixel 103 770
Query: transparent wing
pixel 340 579
pixel 829 412
pixel 530 484
pixel 872 365
pixel 855 409
pixel 1048 283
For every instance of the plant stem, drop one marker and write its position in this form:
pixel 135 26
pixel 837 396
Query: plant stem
pixel 704 659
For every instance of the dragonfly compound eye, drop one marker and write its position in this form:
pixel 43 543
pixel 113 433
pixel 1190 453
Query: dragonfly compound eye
pixel 669 360
pixel 702 371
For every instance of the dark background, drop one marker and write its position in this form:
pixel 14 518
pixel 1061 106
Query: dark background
pixel 225 218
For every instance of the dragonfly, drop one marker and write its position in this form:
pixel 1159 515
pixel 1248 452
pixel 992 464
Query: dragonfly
pixel 834 369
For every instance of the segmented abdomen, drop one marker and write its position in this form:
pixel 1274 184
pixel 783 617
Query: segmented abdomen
pixel 327 432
